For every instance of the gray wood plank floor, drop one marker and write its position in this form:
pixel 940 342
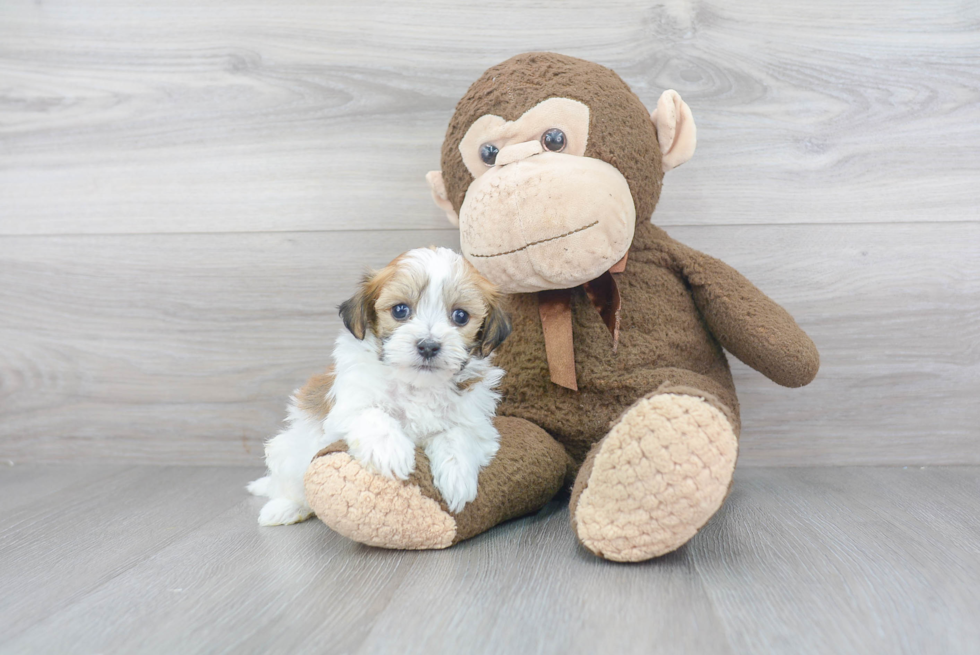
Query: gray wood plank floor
pixel 800 560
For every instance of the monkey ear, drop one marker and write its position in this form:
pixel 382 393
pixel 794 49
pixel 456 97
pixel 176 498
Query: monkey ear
pixel 496 328
pixel 358 312
pixel 676 131
pixel 439 195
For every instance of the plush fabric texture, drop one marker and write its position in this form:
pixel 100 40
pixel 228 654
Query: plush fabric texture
pixel 677 305
pixel 655 480
pixel 372 509
pixel 676 131
pixel 620 130
pixel 526 473
pixel 590 222
pixel 570 116
pixel 658 414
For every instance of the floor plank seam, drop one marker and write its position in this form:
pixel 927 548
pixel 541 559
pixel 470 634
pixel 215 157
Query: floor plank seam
pixel 665 225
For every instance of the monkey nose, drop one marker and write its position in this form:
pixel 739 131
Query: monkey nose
pixel 518 151
pixel 428 348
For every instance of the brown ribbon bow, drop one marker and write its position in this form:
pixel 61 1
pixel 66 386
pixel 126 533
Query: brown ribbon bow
pixel 555 307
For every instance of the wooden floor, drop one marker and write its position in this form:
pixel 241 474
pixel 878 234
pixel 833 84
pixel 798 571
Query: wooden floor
pixel 113 559
pixel 189 188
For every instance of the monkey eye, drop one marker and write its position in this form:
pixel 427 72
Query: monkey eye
pixel 488 153
pixel 554 140
pixel 461 317
pixel 400 312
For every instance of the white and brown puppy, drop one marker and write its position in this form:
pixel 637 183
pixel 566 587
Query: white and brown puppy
pixel 412 369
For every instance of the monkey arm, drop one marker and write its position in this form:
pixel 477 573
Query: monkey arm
pixel 748 323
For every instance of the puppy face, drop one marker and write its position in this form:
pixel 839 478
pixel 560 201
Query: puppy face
pixel 430 311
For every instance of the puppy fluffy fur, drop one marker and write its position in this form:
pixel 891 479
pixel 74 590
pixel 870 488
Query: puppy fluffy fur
pixel 400 380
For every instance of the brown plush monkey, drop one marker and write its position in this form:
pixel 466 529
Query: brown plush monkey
pixel 616 380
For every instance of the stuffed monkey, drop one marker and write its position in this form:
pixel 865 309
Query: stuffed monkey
pixel 617 385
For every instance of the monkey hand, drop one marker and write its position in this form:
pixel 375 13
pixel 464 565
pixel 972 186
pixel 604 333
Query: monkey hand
pixel 748 323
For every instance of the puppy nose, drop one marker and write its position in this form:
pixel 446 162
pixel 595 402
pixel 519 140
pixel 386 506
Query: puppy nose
pixel 428 348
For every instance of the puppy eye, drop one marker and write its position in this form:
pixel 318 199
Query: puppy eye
pixel 488 153
pixel 460 317
pixel 553 140
pixel 400 312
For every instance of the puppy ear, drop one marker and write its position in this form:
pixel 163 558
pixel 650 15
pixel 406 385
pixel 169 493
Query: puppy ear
pixel 358 312
pixel 496 328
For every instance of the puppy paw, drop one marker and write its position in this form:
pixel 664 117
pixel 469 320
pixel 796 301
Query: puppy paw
pixel 379 445
pixel 456 482
pixel 260 487
pixel 282 511
pixel 392 458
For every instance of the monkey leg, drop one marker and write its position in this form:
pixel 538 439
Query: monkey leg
pixel 528 470
pixel 659 474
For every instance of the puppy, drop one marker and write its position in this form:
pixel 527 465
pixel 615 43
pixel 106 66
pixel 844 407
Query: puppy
pixel 412 369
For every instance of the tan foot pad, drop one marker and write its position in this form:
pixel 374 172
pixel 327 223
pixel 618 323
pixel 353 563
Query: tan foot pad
pixel 374 510
pixel 662 471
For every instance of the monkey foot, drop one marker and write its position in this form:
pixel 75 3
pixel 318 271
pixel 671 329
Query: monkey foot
pixel 375 510
pixel 658 476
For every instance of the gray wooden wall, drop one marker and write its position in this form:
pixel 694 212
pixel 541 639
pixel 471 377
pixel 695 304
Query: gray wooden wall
pixel 188 188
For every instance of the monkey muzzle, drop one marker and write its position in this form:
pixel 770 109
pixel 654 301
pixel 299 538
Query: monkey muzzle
pixel 547 221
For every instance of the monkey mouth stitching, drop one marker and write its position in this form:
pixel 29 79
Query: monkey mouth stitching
pixel 540 241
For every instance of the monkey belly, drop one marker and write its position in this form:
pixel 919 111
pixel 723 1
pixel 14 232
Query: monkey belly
pixel 663 342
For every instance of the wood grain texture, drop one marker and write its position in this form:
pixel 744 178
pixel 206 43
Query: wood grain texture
pixel 528 588
pixel 810 560
pixel 860 544
pixel 184 348
pixel 121 117
pixel 187 190
pixel 69 543
pixel 26 485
